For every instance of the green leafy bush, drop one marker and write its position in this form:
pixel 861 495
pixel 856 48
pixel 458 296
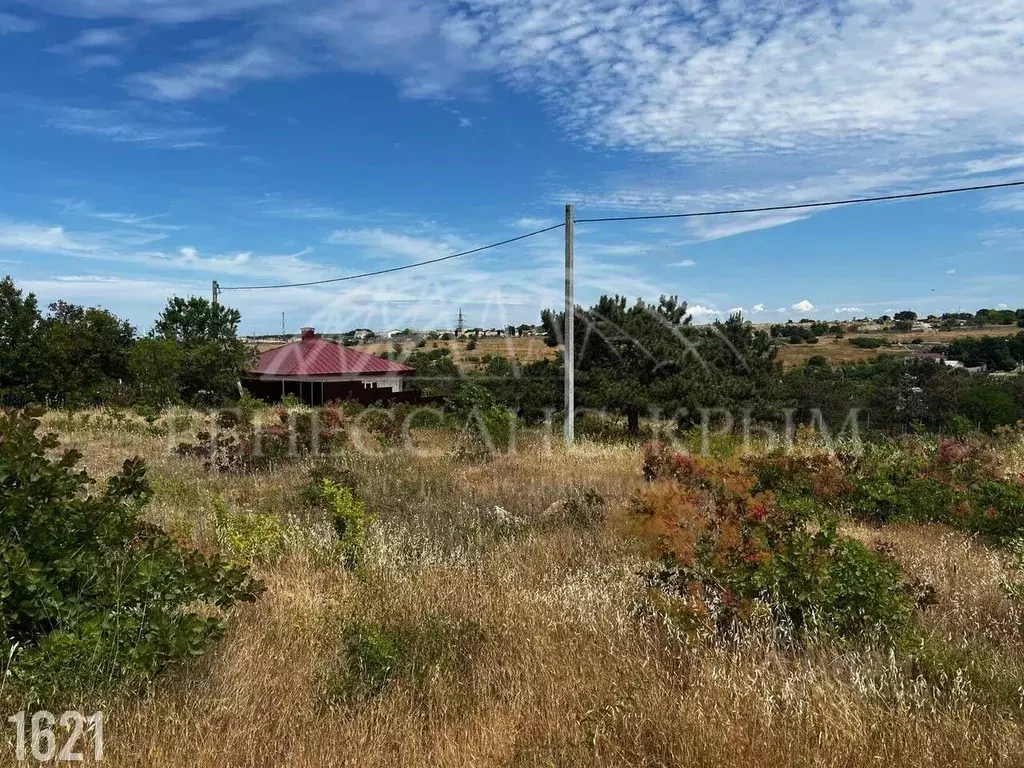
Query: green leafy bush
pixel 730 552
pixel 379 654
pixel 311 495
pixel 92 596
pixel 866 342
pixel 1013 587
pixel 959 482
pixel 249 537
pixel 350 520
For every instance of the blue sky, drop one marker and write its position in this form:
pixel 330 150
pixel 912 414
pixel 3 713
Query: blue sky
pixel 148 147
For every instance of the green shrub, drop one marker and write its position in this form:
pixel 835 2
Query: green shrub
pixel 250 537
pixel 730 553
pixel 291 401
pixel 998 508
pixel 350 520
pixel 248 406
pixel 866 342
pixel 311 495
pixel 382 653
pixel 91 596
pixel 1013 587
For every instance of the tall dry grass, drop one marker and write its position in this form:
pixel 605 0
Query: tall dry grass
pixel 565 663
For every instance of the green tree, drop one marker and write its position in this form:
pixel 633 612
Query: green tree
pixel 989 405
pixel 154 366
pixel 86 354
pixel 649 358
pixel 19 335
pixel 212 355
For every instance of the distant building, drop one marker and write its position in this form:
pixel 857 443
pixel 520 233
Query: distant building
pixel 318 371
pixel 960 366
pixel 925 357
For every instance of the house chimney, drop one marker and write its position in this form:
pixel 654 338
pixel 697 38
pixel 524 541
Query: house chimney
pixel 308 333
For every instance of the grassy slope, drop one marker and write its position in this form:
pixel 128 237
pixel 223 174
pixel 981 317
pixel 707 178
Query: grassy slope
pixel 842 351
pixel 565 669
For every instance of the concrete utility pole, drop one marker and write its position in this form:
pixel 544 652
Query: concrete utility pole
pixel 216 292
pixel 569 341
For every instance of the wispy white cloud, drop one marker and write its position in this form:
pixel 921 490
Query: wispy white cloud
pixel 11 24
pixel 156 11
pixel 993 164
pixel 382 243
pixel 683 76
pixel 34 238
pixel 93 48
pixel 1013 201
pixel 532 223
pixel 715 229
pixel 757 309
pixel 803 91
pixel 127 245
pixel 133 125
pixel 803 306
pixel 685 263
pixel 155 221
pixel 217 75
pixel 847 310
pixel 101 37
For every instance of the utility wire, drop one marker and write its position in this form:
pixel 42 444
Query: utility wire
pixel 395 269
pixel 726 212
pixel 799 206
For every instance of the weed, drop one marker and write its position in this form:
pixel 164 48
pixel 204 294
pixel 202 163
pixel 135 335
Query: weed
pixel 350 521
pixel 378 655
pixel 249 537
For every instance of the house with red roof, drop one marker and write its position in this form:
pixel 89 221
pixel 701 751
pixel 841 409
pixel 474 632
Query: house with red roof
pixel 319 371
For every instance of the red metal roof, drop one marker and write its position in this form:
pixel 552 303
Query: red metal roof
pixel 315 357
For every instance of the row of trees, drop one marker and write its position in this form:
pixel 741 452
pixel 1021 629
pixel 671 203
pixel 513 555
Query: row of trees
pixel 72 355
pixel 645 359
pixel 635 359
pixel 898 396
pixel 951 320
pixel 998 354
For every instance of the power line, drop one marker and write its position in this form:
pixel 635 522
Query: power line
pixel 699 214
pixel 395 269
pixel 800 206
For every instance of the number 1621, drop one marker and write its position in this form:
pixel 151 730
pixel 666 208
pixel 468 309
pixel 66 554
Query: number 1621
pixel 39 737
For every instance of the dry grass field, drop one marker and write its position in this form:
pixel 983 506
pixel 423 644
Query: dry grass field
pixel 838 351
pixel 534 642
pixel 526 349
